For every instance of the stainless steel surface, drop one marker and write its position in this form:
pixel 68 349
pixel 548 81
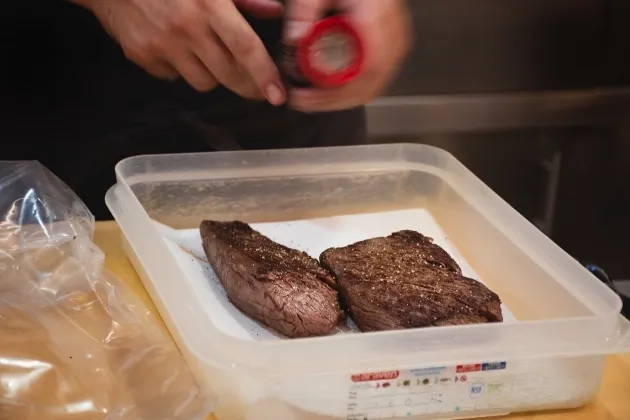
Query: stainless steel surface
pixel 501 65
pixel 623 286
pixel 553 166
pixel 415 115
pixel 477 46
pixel 487 78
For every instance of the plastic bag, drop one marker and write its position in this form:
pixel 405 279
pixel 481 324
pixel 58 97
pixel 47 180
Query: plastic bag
pixel 75 343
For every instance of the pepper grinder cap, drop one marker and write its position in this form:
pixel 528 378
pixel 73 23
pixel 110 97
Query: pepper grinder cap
pixel 331 54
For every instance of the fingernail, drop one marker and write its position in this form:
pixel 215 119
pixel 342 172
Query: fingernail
pixel 294 31
pixel 275 94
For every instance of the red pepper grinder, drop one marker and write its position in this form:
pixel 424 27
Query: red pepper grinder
pixel 330 55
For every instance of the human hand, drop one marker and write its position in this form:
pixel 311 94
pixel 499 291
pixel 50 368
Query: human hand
pixel 385 29
pixel 208 42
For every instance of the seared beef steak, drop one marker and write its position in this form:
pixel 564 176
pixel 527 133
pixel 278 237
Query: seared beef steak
pixel 406 281
pixel 280 287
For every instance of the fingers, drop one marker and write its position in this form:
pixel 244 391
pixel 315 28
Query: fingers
pixel 194 71
pixel 301 14
pixel 246 48
pixel 205 41
pixel 354 94
pixel 246 88
pixel 349 96
pixel 312 100
pixel 162 70
pixel 262 9
pixel 215 56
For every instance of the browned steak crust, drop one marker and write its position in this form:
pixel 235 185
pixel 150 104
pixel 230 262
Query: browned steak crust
pixel 406 281
pixel 280 287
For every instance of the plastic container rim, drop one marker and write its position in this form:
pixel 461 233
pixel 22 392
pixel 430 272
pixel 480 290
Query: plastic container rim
pixel 231 342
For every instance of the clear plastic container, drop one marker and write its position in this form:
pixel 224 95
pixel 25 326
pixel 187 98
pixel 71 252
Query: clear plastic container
pixel 552 357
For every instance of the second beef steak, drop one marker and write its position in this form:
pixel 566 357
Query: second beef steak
pixel 406 281
pixel 280 287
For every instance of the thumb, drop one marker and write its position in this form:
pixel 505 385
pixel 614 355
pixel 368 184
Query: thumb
pixel 301 14
pixel 262 9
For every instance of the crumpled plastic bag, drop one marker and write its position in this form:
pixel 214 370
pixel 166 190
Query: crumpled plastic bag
pixel 75 343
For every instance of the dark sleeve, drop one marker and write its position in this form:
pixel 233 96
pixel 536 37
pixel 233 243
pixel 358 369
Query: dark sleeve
pixel 71 100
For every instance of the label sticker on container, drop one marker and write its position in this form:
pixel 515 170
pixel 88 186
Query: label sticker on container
pixel 440 390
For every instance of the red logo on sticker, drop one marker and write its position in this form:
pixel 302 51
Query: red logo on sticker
pixel 464 378
pixel 375 376
pixel 469 368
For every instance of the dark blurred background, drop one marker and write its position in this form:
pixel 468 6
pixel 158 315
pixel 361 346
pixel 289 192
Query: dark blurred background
pixel 533 96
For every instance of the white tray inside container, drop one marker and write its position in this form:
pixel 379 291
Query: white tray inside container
pixel 312 236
